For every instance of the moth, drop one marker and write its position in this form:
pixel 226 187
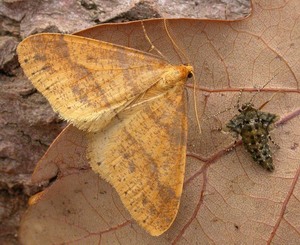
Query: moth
pixel 254 125
pixel 132 106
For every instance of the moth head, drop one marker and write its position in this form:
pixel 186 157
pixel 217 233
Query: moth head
pixel 189 70
pixel 246 107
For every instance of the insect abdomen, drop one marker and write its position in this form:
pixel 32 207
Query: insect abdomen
pixel 255 140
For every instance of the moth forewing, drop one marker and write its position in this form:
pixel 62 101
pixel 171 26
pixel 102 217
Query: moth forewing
pixel 85 80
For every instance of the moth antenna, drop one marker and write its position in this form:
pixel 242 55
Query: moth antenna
pixel 177 48
pixel 259 89
pixel 152 45
pixel 195 104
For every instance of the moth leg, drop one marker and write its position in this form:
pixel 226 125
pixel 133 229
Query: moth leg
pixel 235 143
pixel 265 103
pixel 239 100
pixel 219 127
pixel 220 112
pixel 273 142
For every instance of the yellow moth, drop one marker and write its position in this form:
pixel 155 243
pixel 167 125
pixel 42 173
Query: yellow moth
pixel 132 106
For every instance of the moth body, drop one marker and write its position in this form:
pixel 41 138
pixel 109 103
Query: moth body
pixel 130 105
pixel 175 75
pixel 254 126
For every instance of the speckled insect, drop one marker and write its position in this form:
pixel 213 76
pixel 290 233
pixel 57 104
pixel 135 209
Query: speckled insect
pixel 254 126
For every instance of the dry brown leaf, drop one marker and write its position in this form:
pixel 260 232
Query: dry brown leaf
pixel 227 198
